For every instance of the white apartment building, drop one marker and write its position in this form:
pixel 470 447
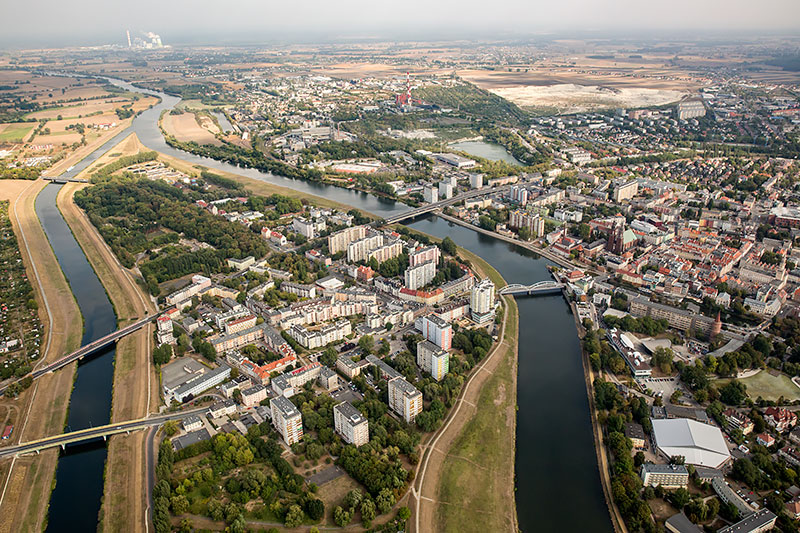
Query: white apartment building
pixel 386 252
pixel 337 242
pixel 481 301
pixel 424 255
pixel 405 399
pixel 430 194
pixel 359 250
pixel 287 420
pixel 350 424
pixel 445 190
pixel 625 190
pixel 420 275
pixel 433 359
pixel 254 395
pixel 321 337
pixel 308 228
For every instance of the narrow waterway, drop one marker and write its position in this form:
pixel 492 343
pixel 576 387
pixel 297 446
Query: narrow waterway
pixel 558 482
pixel 75 501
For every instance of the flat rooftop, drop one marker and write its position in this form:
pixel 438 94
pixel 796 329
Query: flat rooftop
pixel 180 371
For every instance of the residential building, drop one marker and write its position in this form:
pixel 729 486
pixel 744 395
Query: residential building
pixel 404 399
pixel 164 330
pixel 419 276
pixel 779 418
pixel 680 523
pixel 350 424
pixel 359 250
pixel 445 190
pixel 690 108
pixel 432 359
pixel 481 301
pixel 765 439
pixel 254 395
pixel 318 338
pixel 422 255
pixel 625 190
pixel 303 291
pixel 668 476
pixel 337 242
pixel 287 420
pixel 532 222
pixel 222 408
pixel 192 423
pixel 737 420
pixel 430 194
pixel 758 522
pixel 328 379
pixel 436 330
pixel 635 432
pixel 350 368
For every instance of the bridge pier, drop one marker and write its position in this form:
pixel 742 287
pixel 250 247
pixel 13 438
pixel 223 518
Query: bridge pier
pixel 63 447
pixel 105 437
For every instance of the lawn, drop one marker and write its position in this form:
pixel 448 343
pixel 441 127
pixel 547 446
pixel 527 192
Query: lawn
pixel 16 132
pixel 474 485
pixel 767 386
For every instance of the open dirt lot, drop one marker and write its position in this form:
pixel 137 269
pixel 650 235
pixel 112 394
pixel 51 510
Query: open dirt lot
pixel 185 127
pixel 25 493
pixel 135 382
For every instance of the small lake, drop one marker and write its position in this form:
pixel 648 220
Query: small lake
pixel 486 150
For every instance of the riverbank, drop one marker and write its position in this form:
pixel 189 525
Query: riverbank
pixel 26 483
pixel 603 462
pixel 468 464
pixel 547 254
pixel 135 385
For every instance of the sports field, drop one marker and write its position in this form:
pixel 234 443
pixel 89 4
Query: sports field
pixel 768 386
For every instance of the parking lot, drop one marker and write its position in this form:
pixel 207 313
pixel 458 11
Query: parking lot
pixel 661 386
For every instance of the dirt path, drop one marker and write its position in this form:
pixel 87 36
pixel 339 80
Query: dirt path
pixel 26 483
pixel 425 494
pixel 135 395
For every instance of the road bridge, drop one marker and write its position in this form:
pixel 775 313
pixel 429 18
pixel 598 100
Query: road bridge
pixel 87 349
pixel 58 179
pixel 99 432
pixel 541 287
pixel 427 208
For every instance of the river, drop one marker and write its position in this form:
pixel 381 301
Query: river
pixel 558 484
pixel 75 501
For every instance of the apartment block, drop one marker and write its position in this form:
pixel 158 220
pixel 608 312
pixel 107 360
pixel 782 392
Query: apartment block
pixel 350 424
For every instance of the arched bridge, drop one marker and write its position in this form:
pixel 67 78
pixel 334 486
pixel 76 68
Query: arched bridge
pixel 541 287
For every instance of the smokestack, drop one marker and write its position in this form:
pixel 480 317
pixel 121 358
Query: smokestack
pixel 128 32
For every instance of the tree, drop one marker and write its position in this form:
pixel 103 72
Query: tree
pixel 170 427
pixel 315 508
pixel 162 354
pixel 385 501
pixel 180 504
pixel 341 517
pixel 294 517
pixel 680 498
pixel 404 513
pixel 448 246
pixel 366 343
pixel 734 393
pixel 353 498
pixel 368 510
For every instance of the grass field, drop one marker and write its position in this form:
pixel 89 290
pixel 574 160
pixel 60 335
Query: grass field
pixel 475 491
pixel 767 386
pixel 15 132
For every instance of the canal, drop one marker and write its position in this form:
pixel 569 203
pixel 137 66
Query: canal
pixel 558 484
pixel 75 500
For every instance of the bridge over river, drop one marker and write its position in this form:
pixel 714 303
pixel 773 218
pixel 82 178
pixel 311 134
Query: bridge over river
pixel 540 287
pixel 87 349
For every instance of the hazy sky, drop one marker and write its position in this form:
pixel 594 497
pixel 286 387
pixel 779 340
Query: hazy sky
pixel 65 22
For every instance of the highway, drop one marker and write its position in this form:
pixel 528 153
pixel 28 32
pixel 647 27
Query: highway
pixel 88 434
pixel 85 350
